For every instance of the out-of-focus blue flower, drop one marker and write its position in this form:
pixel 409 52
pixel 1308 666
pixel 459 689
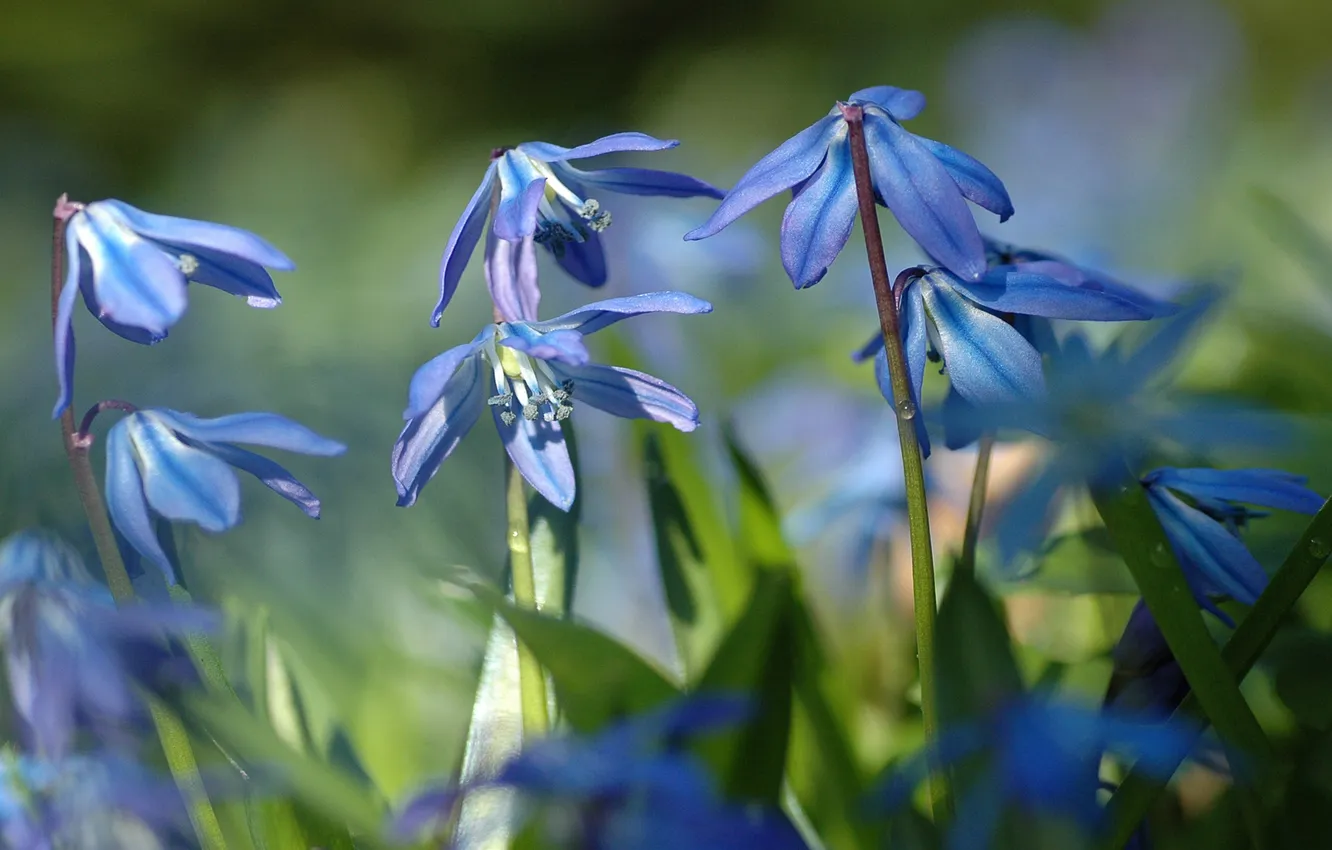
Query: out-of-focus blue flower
pixel 631 786
pixel 180 466
pixel 88 803
pixel 1146 676
pixel 132 268
pixel 1204 532
pixel 925 184
pixel 542 196
pixel 1043 758
pixel 962 323
pixel 71 656
pixel 528 373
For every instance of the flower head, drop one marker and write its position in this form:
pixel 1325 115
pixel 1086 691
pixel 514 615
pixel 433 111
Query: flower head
pixel 1204 531
pixel 541 196
pixel 529 374
pixel 925 184
pixel 180 466
pixel 132 268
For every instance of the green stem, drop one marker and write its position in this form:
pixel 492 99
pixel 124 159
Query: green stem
pixel 531 678
pixel 1138 790
pixel 175 742
pixel 966 562
pixel 913 469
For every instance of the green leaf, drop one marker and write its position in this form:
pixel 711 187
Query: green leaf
pixel 756 658
pixel 1302 674
pixel 1293 232
pixel 554 541
pixel 597 679
pixel 1080 562
pixel 759 538
pixel 974 655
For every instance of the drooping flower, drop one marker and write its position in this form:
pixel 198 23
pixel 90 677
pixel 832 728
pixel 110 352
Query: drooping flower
pixel 1204 531
pixel 631 786
pixel 1042 758
pixel 180 466
pixel 542 196
pixel 71 656
pixel 925 184
pixel 529 373
pixel 133 267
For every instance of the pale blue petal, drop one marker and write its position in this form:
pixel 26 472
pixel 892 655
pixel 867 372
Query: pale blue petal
pixel 884 379
pixel 511 277
pixel 142 336
pixel 1025 519
pixel 183 482
pixel 614 143
pixel 1217 558
pixel 1065 272
pixel 1271 488
pixel 125 501
pixel 426 814
pixel 429 381
pixel 521 190
pixel 538 449
pixel 977 183
pixel 902 104
pixel 263 429
pixel 922 195
pixel 64 327
pixel 221 238
pixel 1005 290
pixel 239 277
pixel 599 314
pixel 642 181
pixel 869 349
pixel 431 437
pixel 136 283
pixel 462 241
pixel 959 421
pixel 819 219
pixel 272 474
pixel 1163 346
pixel 987 360
pixel 563 346
pixel 629 394
pixel 791 163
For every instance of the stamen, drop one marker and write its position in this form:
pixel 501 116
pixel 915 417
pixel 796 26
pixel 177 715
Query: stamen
pixel 554 236
pixel 187 263
pixel 507 417
pixel 596 218
pixel 501 399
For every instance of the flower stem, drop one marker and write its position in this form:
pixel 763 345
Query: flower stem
pixel 918 516
pixel 531 678
pixel 966 562
pixel 170 731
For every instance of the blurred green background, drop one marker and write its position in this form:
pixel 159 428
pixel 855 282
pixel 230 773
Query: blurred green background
pixel 1161 140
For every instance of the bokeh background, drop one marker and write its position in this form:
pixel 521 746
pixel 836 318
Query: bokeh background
pixel 1165 140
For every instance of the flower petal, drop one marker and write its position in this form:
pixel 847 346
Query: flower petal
pixel 263 429
pixel 791 163
pixel 869 349
pixel 923 196
pixel 64 327
pixel 538 449
pixel 511 277
pixel 546 152
pixel 977 183
pixel 141 336
pixel 629 394
pixel 183 482
pixel 902 104
pixel 563 346
pixel 431 437
pixel 987 360
pixel 125 500
pixel 521 190
pixel 1271 488
pixel 1065 272
pixel 272 474
pixel 221 238
pixel 1218 560
pixel 643 181
pixel 959 421
pixel 1025 519
pixel 240 277
pixel 462 241
pixel 1008 291
pixel 583 261
pixel 430 381
pixel 1169 337
pixel 599 314
pixel 884 379
pixel 136 283
pixel 819 219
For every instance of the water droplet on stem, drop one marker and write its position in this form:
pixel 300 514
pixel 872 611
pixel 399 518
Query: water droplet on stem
pixel 906 411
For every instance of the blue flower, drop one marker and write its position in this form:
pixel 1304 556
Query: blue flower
pixel 631 786
pixel 963 324
pixel 542 196
pixel 1146 676
pixel 180 466
pixel 71 656
pixel 925 184
pixel 1043 758
pixel 132 268
pixel 529 373
pixel 1204 532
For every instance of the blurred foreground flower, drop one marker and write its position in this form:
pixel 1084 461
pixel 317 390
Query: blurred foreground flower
pixel 542 197
pixel 631 787
pixel 1043 758
pixel 536 369
pixel 133 267
pixel 180 466
pixel 925 184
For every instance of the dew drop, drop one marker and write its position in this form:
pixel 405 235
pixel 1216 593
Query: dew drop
pixel 1160 557
pixel 1319 548
pixel 906 411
